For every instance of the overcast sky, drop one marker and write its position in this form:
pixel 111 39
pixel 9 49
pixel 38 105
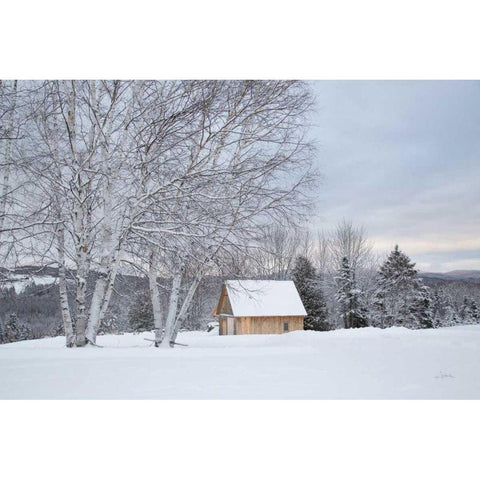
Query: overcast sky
pixel 403 160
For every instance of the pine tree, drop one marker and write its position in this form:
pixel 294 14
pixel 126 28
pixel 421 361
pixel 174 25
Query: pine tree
pixel 349 297
pixel 475 312
pixel 401 298
pixel 423 313
pixel 306 281
pixel 24 332
pixel 57 329
pixel 451 317
pixel 343 292
pixel 380 316
pixel 2 332
pixel 140 314
pixel 439 307
pixel 11 328
pixel 465 313
pixel 110 325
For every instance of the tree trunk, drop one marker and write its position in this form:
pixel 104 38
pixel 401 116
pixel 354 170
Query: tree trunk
pixel 52 136
pixel 172 309
pixel 95 316
pixel 79 223
pixel 80 297
pixel 186 305
pixel 6 166
pixel 62 283
pixel 155 297
pixel 95 307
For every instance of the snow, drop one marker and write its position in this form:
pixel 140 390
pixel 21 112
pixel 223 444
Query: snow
pixel 20 282
pixel 367 363
pixel 262 298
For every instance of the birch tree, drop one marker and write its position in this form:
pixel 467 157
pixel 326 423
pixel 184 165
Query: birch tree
pixel 74 124
pixel 170 176
pixel 7 135
pixel 248 135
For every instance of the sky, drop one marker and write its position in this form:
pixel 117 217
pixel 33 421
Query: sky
pixel 402 159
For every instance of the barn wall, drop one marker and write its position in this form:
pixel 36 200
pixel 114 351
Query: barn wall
pixel 222 328
pixel 243 325
pixel 266 325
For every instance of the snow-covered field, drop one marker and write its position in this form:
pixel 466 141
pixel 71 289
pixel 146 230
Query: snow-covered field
pixel 345 364
pixel 21 281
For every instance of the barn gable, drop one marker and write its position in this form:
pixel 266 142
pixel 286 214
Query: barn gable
pixel 223 306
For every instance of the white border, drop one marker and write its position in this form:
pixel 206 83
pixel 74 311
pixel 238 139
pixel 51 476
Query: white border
pixel 249 39
pixel 240 439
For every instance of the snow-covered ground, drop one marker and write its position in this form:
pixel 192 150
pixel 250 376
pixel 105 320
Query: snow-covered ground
pixel 366 363
pixel 21 281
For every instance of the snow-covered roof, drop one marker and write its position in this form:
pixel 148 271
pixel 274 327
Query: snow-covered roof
pixel 264 298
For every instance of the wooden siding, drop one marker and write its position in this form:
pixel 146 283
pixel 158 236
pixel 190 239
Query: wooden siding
pixel 222 326
pixel 261 325
pixel 266 325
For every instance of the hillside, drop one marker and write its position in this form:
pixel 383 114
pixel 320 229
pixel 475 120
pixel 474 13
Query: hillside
pixel 454 275
pixel 31 294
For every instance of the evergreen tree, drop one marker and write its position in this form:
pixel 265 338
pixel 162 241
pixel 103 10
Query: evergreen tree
pixel 437 310
pixel 349 297
pixel 2 332
pixel 343 292
pixel 110 325
pixel 448 310
pixel 24 332
pixel 451 317
pixel 11 328
pixel 57 329
pixel 306 281
pixel 475 312
pixel 465 313
pixel 140 314
pixel 401 298
pixel 423 312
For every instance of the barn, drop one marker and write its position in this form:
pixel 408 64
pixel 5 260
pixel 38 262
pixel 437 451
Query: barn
pixel 250 307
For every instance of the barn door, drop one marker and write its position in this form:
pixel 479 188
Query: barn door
pixel 230 326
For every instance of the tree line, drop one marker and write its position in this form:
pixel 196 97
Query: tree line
pixel 343 283
pixel 359 292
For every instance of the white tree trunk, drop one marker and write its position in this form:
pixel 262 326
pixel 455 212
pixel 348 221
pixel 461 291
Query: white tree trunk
pixel 80 220
pixel 185 306
pixel 155 297
pixel 105 271
pixel 6 163
pixel 172 308
pixel 52 139
pixel 80 296
pixel 62 283
pixel 113 275
pixel 102 294
pixel 95 306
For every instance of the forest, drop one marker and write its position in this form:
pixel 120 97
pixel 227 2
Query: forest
pixel 140 197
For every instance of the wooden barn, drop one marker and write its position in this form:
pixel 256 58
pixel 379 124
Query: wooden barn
pixel 250 307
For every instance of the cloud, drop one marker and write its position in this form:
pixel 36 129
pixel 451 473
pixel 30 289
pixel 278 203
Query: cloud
pixel 465 264
pixel 402 159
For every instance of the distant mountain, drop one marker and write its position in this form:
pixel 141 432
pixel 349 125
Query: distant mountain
pixel 454 275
